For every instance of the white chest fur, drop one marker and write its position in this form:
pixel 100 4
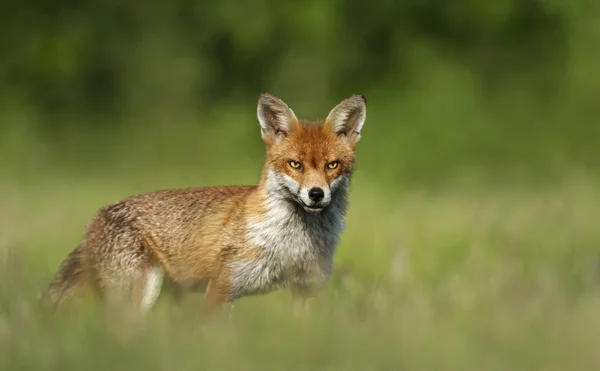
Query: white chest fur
pixel 296 249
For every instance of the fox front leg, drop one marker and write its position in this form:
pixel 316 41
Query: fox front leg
pixel 230 312
pixel 215 297
pixel 301 297
pixel 305 288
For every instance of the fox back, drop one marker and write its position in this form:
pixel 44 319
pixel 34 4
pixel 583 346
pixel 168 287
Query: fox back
pixel 241 240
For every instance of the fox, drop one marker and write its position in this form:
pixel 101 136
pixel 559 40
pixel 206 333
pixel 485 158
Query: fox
pixel 281 233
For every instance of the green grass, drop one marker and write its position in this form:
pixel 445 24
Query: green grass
pixel 470 276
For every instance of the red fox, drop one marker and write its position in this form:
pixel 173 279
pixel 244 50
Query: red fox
pixel 242 240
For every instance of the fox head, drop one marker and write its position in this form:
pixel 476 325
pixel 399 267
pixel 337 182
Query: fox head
pixel 310 163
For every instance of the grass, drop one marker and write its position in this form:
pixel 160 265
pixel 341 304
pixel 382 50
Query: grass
pixel 465 277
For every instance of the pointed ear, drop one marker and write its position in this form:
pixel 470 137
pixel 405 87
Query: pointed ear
pixel 348 117
pixel 275 117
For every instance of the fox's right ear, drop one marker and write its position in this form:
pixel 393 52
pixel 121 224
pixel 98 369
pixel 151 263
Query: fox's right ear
pixel 275 117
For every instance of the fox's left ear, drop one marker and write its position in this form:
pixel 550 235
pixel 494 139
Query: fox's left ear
pixel 348 117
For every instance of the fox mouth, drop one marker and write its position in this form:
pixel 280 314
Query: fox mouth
pixel 311 208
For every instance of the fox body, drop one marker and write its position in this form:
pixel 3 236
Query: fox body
pixel 242 240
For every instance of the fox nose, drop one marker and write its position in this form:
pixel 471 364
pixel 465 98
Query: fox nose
pixel 316 194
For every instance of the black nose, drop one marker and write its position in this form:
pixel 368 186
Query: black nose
pixel 316 194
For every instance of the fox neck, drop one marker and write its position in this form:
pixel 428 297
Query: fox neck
pixel 292 242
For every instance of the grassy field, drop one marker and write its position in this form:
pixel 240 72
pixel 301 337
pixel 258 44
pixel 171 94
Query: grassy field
pixel 469 276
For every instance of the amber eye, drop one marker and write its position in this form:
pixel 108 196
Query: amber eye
pixel 295 164
pixel 333 165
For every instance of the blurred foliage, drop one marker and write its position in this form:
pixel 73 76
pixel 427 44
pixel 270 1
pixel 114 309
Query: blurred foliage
pixel 89 54
pixel 501 82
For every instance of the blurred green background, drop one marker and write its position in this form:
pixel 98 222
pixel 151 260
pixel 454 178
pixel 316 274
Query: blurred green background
pixel 472 240
pixel 503 85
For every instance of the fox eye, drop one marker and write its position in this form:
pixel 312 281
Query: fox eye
pixel 333 165
pixel 295 164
